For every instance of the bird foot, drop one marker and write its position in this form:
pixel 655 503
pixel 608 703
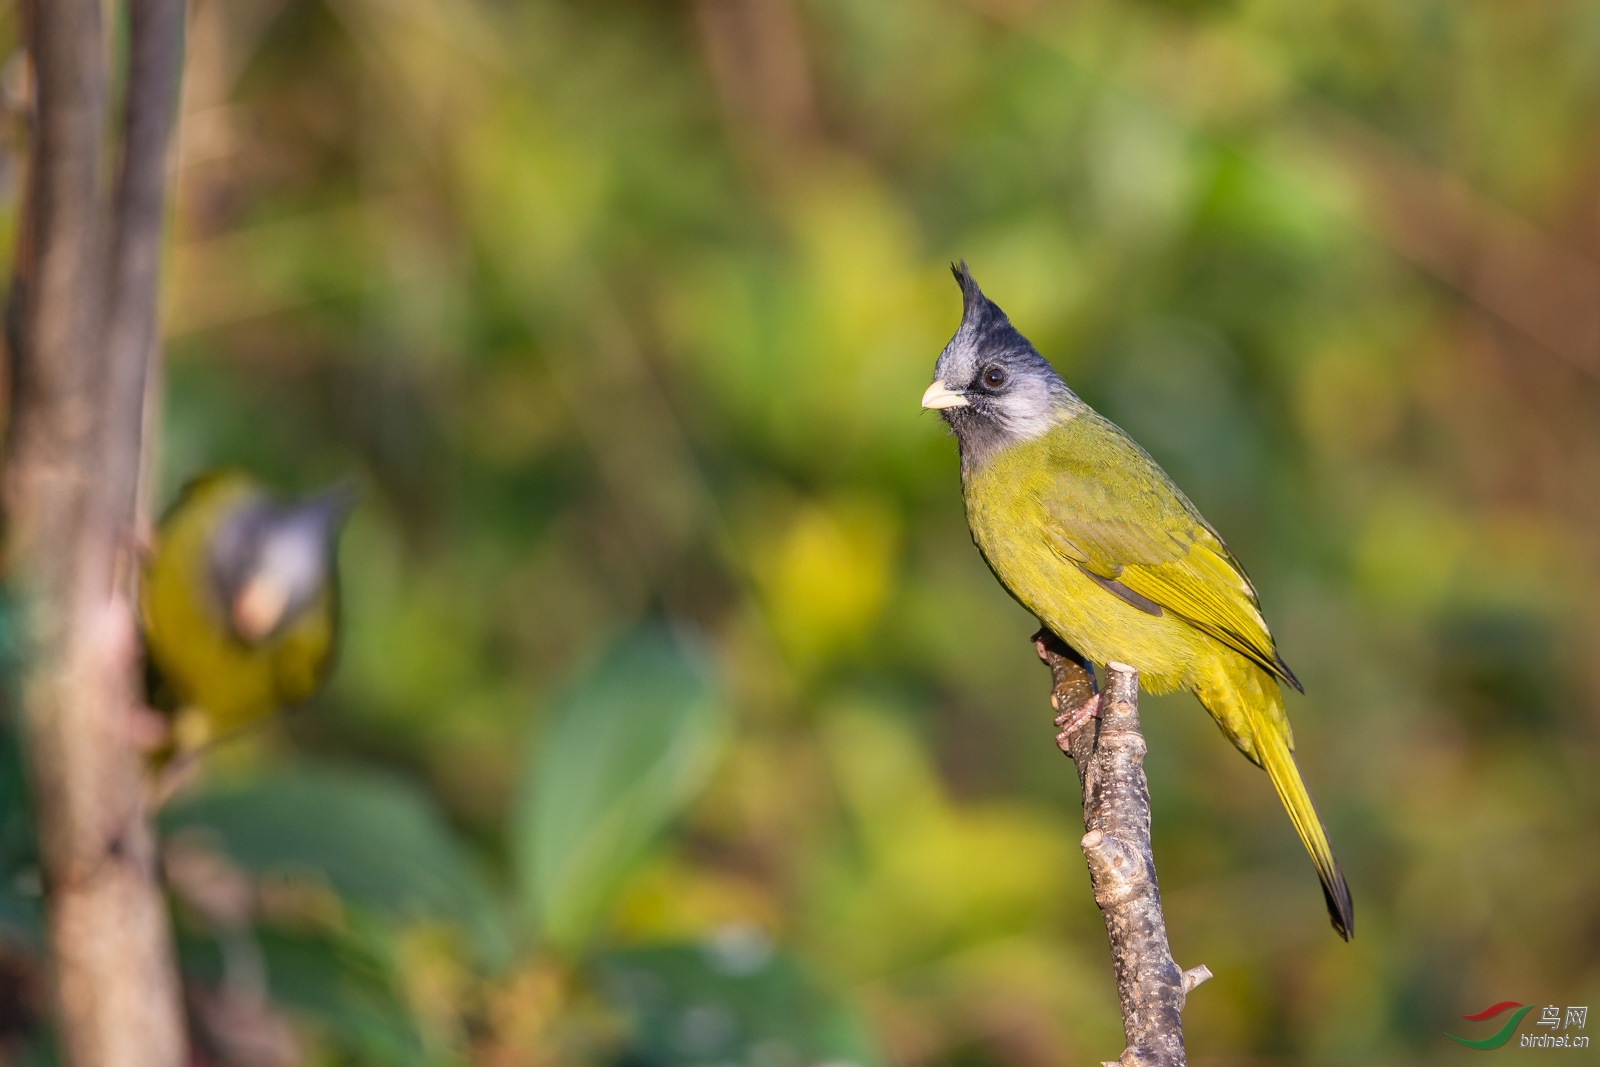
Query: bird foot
pixel 1074 719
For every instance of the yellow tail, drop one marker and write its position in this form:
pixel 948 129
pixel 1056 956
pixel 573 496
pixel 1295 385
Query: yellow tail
pixel 1246 703
pixel 1278 761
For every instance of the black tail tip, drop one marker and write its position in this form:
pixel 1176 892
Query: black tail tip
pixel 1341 912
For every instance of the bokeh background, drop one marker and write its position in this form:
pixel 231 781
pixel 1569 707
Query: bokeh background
pixel 678 721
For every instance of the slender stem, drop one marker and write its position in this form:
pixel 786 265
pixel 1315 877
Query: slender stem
pixel 155 40
pixel 1109 750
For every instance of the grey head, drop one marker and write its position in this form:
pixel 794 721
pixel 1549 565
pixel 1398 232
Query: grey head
pixel 272 561
pixel 990 384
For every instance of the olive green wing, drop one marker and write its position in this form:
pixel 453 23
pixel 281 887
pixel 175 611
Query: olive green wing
pixel 1114 513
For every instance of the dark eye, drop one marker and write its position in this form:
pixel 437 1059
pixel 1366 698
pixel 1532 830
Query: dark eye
pixel 994 377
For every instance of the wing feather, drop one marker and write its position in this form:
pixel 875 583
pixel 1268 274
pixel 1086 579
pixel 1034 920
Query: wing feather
pixel 1139 531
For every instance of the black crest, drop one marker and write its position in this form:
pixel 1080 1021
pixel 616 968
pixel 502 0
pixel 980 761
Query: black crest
pixel 983 325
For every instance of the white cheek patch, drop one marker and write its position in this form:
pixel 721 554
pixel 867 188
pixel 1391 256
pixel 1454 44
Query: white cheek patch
pixel 293 558
pixel 1028 412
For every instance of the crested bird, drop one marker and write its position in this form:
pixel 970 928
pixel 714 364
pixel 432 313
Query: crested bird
pixel 1087 532
pixel 240 599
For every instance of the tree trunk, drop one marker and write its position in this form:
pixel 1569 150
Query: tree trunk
pixel 81 335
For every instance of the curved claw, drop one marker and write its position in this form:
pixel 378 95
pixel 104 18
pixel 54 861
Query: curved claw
pixel 1074 719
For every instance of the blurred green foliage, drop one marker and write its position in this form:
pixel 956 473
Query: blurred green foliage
pixel 622 311
pixel 622 755
pixel 376 842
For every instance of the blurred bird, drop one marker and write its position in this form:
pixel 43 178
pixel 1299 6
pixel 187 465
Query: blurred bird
pixel 1089 534
pixel 240 600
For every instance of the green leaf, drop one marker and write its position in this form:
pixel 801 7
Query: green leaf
pixel 352 994
pixel 730 1002
pixel 377 840
pixel 344 986
pixel 624 752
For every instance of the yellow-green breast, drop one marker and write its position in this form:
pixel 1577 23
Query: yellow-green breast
pixel 1009 503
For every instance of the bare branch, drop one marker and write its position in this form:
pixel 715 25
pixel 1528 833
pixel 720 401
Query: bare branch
pixel 1122 870
pixel 155 38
